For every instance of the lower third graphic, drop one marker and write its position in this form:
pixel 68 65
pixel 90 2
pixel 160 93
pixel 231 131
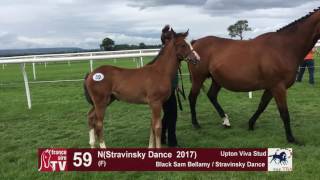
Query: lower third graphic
pixel 52 160
pixel 279 159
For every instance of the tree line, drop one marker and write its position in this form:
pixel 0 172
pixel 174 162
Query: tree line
pixel 235 30
pixel 109 45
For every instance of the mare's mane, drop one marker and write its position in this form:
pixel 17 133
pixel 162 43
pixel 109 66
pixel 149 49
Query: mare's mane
pixel 296 22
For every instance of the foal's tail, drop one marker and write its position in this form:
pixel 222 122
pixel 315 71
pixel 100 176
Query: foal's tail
pixel 86 93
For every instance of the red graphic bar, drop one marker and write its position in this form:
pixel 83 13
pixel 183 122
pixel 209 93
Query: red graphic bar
pixel 142 159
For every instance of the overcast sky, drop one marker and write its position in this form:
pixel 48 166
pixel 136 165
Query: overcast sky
pixel 84 23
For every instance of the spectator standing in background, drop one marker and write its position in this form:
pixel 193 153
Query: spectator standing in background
pixel 307 63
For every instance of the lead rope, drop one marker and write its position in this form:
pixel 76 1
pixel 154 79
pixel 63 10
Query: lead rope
pixel 180 91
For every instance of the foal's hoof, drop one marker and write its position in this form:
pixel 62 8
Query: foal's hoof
pixel 196 126
pixel 226 126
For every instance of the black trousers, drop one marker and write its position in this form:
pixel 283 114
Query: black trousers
pixel 169 121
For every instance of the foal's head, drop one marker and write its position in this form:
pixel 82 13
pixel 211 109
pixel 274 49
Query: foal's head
pixel 184 49
pixel 166 34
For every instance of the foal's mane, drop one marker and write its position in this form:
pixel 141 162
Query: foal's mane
pixel 298 20
pixel 162 49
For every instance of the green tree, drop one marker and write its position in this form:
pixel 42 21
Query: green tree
pixel 142 45
pixel 238 28
pixel 107 44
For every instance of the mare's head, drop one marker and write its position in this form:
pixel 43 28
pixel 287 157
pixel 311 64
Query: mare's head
pixel 184 50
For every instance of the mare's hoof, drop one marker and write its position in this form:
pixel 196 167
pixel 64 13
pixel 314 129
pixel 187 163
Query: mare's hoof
pixel 295 142
pixel 251 128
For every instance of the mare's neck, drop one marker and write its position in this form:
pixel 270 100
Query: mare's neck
pixel 167 62
pixel 300 38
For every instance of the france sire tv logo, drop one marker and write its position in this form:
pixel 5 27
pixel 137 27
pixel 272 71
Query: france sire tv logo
pixel 52 160
pixel 279 159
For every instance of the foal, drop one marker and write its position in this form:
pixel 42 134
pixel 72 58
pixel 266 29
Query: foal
pixel 147 85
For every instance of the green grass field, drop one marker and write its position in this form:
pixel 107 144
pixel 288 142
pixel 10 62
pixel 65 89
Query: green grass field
pixel 58 119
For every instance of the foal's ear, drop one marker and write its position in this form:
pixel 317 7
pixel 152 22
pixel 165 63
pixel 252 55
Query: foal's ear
pixel 186 33
pixel 166 28
pixel 174 33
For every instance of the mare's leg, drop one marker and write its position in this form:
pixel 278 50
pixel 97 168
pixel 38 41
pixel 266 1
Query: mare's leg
pixel 100 108
pixel 155 132
pixel 212 95
pixel 193 95
pixel 265 99
pixel 91 121
pixel 280 95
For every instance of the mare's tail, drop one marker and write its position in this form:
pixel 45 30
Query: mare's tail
pixel 86 93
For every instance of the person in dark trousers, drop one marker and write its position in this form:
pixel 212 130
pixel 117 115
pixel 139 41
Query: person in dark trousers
pixel 307 63
pixel 169 119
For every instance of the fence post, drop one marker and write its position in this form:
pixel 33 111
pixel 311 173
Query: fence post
pixel 141 59
pixel 45 65
pixel 2 66
pixel 34 69
pixel 26 84
pixel 137 62
pixel 250 94
pixel 91 63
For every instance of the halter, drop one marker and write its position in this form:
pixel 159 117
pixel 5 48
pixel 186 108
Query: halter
pixel 193 61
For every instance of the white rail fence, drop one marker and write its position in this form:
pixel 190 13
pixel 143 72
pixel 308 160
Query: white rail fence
pixel 68 57
pixel 85 56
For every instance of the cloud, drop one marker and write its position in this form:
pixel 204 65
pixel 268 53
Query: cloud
pixel 222 5
pixel 236 5
pixel 84 23
pixel 154 3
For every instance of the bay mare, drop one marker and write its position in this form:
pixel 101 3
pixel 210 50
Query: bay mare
pixel 269 62
pixel 147 85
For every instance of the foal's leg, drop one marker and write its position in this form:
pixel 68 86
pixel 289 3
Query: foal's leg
pixel 91 121
pixel 156 126
pixel 193 95
pixel 265 99
pixel 212 95
pixel 280 95
pixel 100 108
pixel 151 138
